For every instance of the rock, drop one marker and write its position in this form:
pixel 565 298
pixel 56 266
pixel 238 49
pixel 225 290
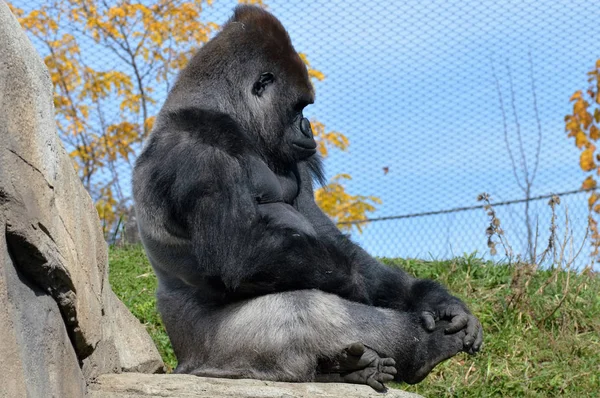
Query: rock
pixel 51 229
pixel 125 346
pixel 131 385
pixel 38 359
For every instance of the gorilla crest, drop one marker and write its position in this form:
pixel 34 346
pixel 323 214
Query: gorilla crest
pixel 255 281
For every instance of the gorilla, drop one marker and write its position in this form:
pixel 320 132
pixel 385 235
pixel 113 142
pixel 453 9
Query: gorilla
pixel 255 281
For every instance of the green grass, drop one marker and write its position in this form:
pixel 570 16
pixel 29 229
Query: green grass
pixel 134 282
pixel 539 345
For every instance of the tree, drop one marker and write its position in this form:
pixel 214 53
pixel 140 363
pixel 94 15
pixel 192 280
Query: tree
pixel 583 126
pixel 524 172
pixel 105 104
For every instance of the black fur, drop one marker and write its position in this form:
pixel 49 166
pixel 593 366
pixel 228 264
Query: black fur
pixel 224 202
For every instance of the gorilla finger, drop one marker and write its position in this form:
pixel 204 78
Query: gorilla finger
pixel 385 377
pixel 388 362
pixel 472 331
pixel 459 321
pixel 472 351
pixel 356 349
pixel 375 384
pixel 479 339
pixel 360 376
pixel 389 370
pixel 428 320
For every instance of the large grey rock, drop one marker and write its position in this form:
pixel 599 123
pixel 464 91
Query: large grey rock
pixel 51 230
pixel 125 346
pixel 131 385
pixel 38 359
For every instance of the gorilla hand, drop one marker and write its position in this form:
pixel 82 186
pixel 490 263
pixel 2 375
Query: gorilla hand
pixel 459 317
pixel 435 304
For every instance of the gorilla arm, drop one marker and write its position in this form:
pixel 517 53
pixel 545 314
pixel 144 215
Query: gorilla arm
pixel 392 287
pixel 251 250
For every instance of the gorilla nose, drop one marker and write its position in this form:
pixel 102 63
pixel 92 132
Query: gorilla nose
pixel 305 128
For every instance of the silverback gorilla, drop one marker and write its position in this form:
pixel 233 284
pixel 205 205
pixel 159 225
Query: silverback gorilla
pixel 254 280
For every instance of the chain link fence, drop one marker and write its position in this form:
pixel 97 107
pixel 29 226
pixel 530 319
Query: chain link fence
pixel 442 100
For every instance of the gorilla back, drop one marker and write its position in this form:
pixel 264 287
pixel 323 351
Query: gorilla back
pixel 254 280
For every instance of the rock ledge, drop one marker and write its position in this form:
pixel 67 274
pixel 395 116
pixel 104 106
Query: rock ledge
pixel 138 385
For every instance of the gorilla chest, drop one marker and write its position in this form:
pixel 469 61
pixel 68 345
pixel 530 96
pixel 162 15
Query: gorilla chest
pixel 269 187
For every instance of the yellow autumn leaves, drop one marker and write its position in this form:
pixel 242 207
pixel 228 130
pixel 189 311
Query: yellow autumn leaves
pixel 582 125
pixel 342 206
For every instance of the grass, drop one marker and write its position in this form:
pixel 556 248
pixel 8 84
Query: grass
pixel 134 282
pixel 542 331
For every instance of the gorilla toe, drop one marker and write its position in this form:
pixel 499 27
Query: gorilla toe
pixel 360 364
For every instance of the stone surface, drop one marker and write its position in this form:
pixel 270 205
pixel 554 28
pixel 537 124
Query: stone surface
pixel 38 359
pixel 51 229
pixel 125 346
pixel 132 385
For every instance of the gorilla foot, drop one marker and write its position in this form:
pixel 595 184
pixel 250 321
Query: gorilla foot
pixel 358 364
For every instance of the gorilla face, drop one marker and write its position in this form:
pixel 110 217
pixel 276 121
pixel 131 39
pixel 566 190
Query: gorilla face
pixel 281 96
pixel 252 73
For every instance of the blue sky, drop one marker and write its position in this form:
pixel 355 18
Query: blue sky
pixel 411 84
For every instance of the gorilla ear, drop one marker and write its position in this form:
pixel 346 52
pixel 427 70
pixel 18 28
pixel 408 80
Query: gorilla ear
pixel 263 81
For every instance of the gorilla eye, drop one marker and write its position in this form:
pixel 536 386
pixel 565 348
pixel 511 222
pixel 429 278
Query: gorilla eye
pixel 263 81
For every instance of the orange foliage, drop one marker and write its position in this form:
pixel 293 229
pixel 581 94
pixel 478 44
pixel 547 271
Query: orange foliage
pixel 582 125
pixel 342 206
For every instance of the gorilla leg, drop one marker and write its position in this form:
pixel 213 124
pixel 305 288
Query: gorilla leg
pixel 290 336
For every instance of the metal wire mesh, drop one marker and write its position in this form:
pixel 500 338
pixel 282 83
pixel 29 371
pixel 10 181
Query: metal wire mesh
pixel 436 98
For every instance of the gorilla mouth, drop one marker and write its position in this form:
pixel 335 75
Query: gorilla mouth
pixel 304 151
pixel 308 147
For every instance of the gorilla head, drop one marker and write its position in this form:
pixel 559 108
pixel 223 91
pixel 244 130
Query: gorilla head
pixel 263 86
